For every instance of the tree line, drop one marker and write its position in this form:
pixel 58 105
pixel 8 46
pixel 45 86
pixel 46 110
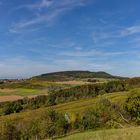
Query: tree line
pixel 61 96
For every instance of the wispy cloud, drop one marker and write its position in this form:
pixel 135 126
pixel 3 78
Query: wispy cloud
pixel 79 64
pixel 91 53
pixel 131 30
pixel 46 11
pixel 98 36
pixel 39 4
pixel 21 67
pixel 18 27
pixel 52 4
pixel 108 33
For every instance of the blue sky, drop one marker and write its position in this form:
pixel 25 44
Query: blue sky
pixel 39 36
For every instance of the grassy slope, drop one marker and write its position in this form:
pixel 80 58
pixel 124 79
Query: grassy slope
pixel 131 133
pixel 79 106
pixel 75 106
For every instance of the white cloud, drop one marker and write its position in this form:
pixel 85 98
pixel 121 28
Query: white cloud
pixel 41 4
pixel 40 19
pixel 80 64
pixel 109 32
pixel 46 11
pixel 105 32
pixel 91 53
pixel 131 30
pixel 21 67
pixel 36 5
pixel 53 4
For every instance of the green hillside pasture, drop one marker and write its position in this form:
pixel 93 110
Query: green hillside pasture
pixel 131 133
pixel 81 105
pixel 72 107
pixel 78 107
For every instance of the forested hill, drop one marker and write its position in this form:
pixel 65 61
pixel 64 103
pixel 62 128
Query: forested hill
pixel 75 75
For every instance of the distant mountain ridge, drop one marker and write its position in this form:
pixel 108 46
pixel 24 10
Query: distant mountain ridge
pixel 75 75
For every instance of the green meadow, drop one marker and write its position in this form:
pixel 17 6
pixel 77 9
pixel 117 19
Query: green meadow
pixel 132 133
pixel 74 106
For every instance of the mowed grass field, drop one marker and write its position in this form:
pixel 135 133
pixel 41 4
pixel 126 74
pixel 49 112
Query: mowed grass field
pixel 131 133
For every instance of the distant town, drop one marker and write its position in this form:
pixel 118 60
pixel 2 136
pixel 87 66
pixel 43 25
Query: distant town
pixel 10 80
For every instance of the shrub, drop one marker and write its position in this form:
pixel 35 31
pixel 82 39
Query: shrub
pixel 89 120
pixel 132 106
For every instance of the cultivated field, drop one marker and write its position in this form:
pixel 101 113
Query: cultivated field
pixel 32 88
pixel 20 93
pixel 73 82
pixel 29 88
pixel 10 98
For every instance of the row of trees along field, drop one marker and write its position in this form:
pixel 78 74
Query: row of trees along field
pixel 62 96
pixel 66 95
